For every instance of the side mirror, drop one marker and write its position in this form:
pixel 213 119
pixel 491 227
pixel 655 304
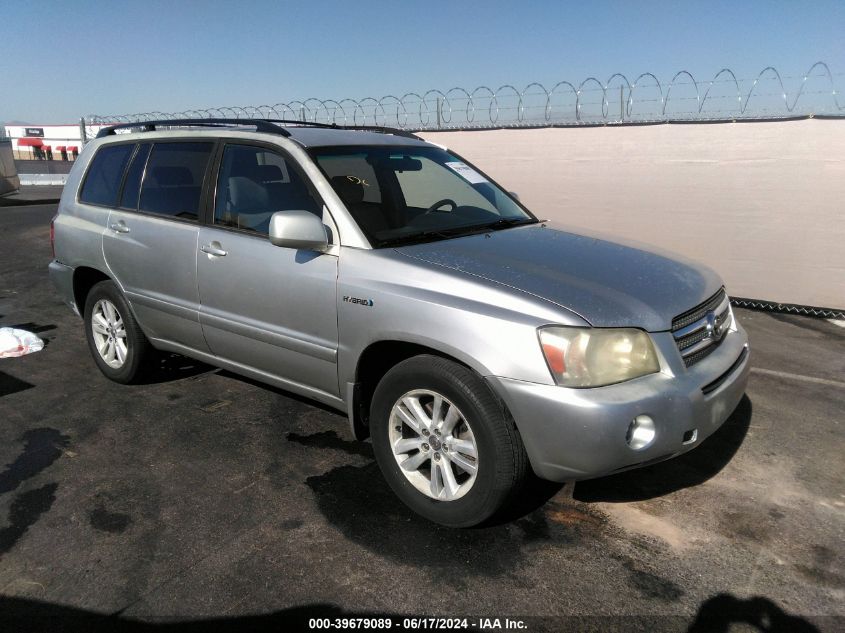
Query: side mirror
pixel 298 229
pixel 514 195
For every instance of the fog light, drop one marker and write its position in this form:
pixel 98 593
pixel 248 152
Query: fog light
pixel 640 432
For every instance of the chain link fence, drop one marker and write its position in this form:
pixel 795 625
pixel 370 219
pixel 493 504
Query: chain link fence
pixel 617 100
pixel 787 308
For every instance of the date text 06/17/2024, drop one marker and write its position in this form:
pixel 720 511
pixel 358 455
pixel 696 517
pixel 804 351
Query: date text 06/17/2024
pixel 414 624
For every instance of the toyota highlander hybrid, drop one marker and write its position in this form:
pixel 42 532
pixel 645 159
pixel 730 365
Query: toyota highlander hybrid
pixel 385 276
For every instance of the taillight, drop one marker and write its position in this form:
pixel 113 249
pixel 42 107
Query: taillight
pixel 53 236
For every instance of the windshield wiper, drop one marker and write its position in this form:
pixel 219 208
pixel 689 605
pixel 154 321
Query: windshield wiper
pixel 498 225
pixel 458 231
pixel 414 237
pixel 505 223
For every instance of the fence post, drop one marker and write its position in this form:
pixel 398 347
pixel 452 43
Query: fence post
pixel 621 103
pixel 439 109
pixel 83 135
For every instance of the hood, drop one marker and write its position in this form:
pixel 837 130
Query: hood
pixel 608 283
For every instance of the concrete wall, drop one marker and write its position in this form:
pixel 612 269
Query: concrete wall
pixel 8 173
pixel 762 203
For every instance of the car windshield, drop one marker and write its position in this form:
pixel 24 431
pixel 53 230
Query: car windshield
pixel 402 195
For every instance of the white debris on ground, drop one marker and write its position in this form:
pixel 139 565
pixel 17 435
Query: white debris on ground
pixel 15 342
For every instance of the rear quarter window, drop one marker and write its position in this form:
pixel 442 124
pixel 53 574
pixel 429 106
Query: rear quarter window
pixel 102 182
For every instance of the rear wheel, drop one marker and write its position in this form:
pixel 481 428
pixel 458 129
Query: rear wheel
pixel 444 442
pixel 117 343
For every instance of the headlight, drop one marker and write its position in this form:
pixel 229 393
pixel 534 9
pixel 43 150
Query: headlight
pixel 593 357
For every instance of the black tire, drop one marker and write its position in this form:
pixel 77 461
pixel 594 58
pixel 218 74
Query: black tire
pixel 138 349
pixel 502 461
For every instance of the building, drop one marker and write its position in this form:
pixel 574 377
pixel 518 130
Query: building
pixel 45 142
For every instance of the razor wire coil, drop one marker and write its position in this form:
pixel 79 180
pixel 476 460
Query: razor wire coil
pixel 589 102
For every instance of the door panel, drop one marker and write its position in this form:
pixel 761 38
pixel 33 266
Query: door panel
pixel 154 260
pixel 270 308
pixel 152 252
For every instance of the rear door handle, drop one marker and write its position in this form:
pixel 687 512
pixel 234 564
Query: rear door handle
pixel 211 249
pixel 119 227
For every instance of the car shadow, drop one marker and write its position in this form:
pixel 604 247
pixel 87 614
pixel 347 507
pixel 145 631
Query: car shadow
pixel 225 373
pixel 533 495
pixel 716 615
pixel 23 614
pixel 165 367
pixel 33 327
pixel 690 469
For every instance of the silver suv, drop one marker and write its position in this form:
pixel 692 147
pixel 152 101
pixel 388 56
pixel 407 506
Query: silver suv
pixel 390 279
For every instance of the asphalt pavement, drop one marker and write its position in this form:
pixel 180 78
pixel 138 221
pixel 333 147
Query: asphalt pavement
pixel 32 195
pixel 207 501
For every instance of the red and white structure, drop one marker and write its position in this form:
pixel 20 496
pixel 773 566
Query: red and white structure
pixel 37 141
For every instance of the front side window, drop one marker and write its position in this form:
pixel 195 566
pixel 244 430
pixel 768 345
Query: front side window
pixel 173 179
pixel 254 183
pixel 407 194
pixel 102 182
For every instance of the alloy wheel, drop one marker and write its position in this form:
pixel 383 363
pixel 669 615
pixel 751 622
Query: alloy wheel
pixel 109 333
pixel 433 444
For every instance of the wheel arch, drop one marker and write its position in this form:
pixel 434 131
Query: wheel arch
pixel 375 361
pixel 85 278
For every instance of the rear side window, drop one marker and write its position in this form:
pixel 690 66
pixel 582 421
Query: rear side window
pixel 132 186
pixel 102 182
pixel 173 179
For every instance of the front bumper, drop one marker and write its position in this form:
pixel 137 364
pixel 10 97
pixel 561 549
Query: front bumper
pixel 574 434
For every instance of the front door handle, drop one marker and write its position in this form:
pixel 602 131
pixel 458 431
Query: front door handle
pixel 119 227
pixel 214 249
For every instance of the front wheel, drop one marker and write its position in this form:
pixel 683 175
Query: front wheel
pixel 117 343
pixel 444 442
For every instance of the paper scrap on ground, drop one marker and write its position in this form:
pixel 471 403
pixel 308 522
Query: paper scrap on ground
pixel 15 342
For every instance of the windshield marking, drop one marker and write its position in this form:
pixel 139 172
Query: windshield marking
pixel 466 172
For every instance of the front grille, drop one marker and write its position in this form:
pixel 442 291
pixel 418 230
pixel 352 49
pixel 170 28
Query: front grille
pixel 698 332
pixel 698 312
pixel 690 340
pixel 695 357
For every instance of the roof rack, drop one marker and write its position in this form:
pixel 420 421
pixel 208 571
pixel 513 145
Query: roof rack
pixel 271 126
pixel 334 126
pixel 261 125
pixel 384 130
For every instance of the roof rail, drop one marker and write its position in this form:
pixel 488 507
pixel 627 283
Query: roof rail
pixel 295 122
pixel 384 130
pixel 334 126
pixel 272 126
pixel 261 125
